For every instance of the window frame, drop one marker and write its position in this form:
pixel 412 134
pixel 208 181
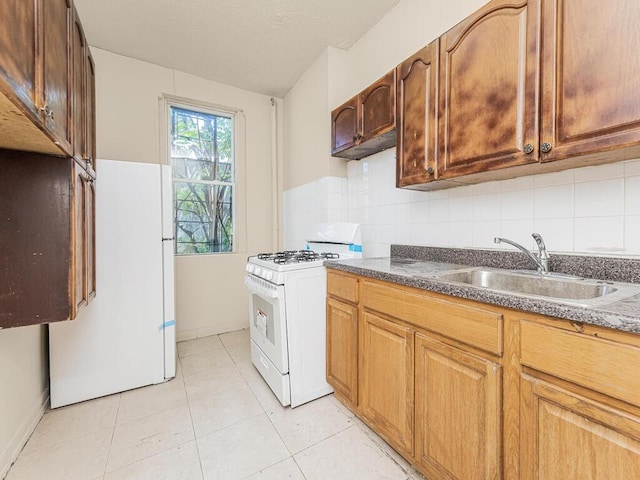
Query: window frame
pixel 167 102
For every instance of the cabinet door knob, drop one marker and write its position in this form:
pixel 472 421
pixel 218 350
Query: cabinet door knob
pixel 545 147
pixel 528 148
pixel 430 170
pixel 355 137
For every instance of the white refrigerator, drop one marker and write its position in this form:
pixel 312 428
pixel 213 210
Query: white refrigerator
pixel 125 337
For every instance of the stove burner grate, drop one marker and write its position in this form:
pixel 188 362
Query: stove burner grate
pixel 297 256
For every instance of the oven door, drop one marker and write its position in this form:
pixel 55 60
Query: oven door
pixel 267 320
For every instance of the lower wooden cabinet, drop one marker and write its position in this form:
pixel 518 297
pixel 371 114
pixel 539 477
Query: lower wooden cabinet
pixel 565 435
pixel 386 372
pixel 469 391
pixel 47 268
pixel 342 349
pixel 84 238
pixel 458 400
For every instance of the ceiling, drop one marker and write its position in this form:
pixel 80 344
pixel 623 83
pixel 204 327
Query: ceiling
pixel 258 45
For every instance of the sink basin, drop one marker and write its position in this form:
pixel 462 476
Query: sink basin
pixel 540 285
pixel 562 288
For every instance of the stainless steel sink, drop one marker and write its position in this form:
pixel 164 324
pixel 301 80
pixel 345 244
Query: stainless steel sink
pixel 563 288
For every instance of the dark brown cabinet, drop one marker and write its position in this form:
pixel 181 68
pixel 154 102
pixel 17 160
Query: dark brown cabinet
pixel 47 106
pixel 417 83
pixel 36 204
pixel 366 124
pixel 47 236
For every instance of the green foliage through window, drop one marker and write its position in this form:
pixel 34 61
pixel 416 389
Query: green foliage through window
pixel 202 156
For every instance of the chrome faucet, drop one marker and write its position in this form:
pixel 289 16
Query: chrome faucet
pixel 541 259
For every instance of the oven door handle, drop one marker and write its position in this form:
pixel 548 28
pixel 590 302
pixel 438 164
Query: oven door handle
pixel 262 290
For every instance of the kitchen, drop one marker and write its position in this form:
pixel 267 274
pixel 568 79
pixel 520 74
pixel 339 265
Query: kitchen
pixel 590 210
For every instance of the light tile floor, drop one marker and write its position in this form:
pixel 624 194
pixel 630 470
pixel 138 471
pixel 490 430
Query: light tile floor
pixel 217 420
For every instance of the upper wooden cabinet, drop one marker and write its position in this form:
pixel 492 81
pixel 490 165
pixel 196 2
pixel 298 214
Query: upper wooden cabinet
pixel 18 47
pixel 56 84
pixel 83 114
pixel 36 76
pixel 590 79
pixel 519 88
pixel 366 124
pixel 488 102
pixel 417 84
pixel 90 112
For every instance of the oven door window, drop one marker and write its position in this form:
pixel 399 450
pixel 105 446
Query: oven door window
pixel 269 329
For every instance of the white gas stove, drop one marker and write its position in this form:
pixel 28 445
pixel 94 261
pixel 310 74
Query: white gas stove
pixel 272 266
pixel 287 312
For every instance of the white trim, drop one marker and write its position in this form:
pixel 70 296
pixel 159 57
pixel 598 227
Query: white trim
pixel 22 435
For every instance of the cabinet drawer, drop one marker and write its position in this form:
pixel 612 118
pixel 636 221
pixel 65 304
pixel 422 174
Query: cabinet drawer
pixel 342 286
pixel 474 326
pixel 602 365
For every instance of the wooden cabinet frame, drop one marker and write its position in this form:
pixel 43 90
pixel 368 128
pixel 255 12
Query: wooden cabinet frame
pixel 534 363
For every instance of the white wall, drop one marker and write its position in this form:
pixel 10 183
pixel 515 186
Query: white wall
pixel 307 130
pixel 210 295
pixel 25 388
pixel 593 210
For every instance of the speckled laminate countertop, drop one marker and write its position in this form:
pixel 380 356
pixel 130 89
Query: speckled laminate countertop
pixel 417 270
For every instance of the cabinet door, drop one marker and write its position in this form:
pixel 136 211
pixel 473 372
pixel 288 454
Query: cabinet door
pixel 458 420
pixel 18 38
pixel 565 435
pixel 417 117
pixel 590 77
pixel 90 112
pixel 344 126
pixel 56 101
pixel 81 183
pixel 91 238
pixel 79 96
pixel 378 108
pixel 36 192
pixel 387 380
pixel 488 90
pixel 342 349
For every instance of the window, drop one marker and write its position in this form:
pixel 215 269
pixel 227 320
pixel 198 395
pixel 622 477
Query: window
pixel 201 149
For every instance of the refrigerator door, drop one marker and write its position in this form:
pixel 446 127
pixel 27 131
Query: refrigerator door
pixel 169 325
pixel 118 341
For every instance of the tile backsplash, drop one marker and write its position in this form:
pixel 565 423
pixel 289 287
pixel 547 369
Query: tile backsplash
pixel 593 210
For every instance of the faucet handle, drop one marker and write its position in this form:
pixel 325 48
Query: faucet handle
pixel 538 238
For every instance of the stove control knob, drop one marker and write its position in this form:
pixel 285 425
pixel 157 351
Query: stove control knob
pixel 257 271
pixel 249 268
pixel 268 275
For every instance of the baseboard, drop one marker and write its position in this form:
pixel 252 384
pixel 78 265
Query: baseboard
pixel 20 438
pixel 182 335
